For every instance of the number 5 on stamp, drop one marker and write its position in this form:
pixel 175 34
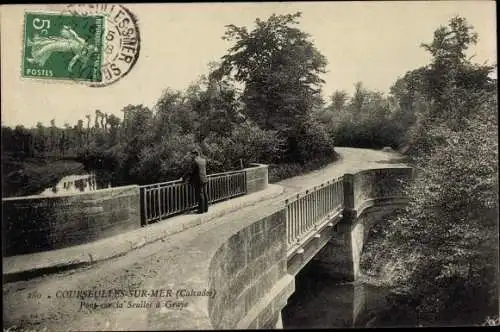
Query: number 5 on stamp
pixel 66 47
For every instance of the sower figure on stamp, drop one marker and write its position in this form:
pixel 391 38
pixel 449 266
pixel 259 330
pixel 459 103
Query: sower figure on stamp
pixel 197 177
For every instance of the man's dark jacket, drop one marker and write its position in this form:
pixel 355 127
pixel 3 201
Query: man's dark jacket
pixel 199 171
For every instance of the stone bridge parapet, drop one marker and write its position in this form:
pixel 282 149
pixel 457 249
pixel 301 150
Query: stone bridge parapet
pixel 38 223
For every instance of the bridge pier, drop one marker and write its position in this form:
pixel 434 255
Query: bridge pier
pixel 339 258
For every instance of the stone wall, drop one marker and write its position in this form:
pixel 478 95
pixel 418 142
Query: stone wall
pixel 257 177
pixel 379 184
pixel 35 223
pixel 250 273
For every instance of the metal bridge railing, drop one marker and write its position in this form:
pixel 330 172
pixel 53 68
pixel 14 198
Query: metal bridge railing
pixel 310 210
pixel 306 211
pixel 161 200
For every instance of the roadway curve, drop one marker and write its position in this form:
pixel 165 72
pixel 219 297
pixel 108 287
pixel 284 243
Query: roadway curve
pixel 147 266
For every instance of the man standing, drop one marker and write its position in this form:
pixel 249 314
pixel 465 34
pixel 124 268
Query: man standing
pixel 198 178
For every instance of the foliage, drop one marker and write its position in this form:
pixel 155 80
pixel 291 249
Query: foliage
pixel 446 241
pixel 247 143
pixel 451 85
pixel 366 120
pixel 282 171
pixel 440 254
pixel 280 69
pixel 311 142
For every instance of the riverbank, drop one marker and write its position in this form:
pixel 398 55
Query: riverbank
pixel 401 306
pixel 30 176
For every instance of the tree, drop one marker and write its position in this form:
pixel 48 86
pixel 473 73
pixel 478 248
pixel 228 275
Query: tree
pixel 102 121
pixel 218 108
pixel 87 141
pixel 446 92
pixel 114 124
pixel 169 113
pixel 97 115
pixel 339 99
pixel 20 141
pixel 106 123
pixel 280 68
pixel 358 99
pixel 41 139
pixel 53 135
pixel 63 140
pixel 139 135
pixel 79 133
pixel 445 244
pixel 451 74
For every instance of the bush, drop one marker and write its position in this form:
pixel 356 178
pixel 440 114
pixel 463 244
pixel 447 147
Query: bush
pixel 247 143
pixel 310 142
pixel 165 161
pixel 368 134
pixel 444 247
pixel 278 172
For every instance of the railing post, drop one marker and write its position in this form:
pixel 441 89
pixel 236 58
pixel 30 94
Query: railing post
pixel 296 223
pixel 288 229
pixel 245 182
pixel 159 201
pixel 349 211
pixel 142 195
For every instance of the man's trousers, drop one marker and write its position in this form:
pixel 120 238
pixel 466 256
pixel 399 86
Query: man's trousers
pixel 202 197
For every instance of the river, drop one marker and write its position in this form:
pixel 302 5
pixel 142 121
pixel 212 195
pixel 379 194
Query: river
pixel 320 302
pixel 77 183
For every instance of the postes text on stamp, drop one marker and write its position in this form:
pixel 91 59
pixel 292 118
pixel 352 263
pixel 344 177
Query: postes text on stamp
pixel 66 47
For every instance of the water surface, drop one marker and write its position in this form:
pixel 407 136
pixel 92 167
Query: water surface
pixel 321 302
pixel 76 184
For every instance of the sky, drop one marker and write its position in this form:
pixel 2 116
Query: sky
pixel 372 42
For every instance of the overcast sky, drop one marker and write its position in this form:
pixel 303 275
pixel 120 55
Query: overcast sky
pixel 372 42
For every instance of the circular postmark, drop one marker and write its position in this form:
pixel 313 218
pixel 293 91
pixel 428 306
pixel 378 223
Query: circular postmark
pixel 121 39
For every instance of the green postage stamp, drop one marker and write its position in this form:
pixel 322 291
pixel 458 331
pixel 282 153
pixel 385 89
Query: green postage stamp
pixel 66 47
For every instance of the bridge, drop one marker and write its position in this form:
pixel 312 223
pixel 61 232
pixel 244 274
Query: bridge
pixel 234 271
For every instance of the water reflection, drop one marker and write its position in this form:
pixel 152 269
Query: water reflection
pixel 75 184
pixel 320 302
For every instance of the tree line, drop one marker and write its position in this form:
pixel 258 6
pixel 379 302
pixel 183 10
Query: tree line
pixel 53 141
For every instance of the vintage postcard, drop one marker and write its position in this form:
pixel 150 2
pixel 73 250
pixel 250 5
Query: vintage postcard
pixel 259 165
